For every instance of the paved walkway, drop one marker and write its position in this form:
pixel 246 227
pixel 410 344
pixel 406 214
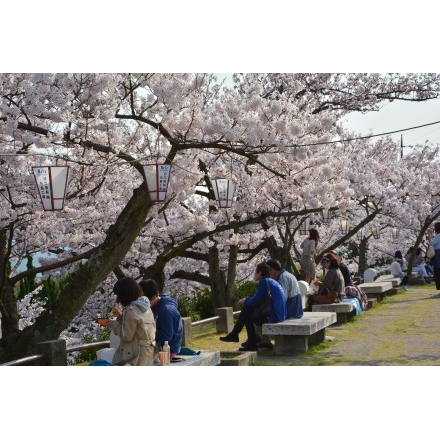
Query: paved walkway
pixel 404 329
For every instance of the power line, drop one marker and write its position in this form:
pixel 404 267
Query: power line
pixel 365 137
pixel 289 146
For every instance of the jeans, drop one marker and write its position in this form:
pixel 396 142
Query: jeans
pixel 428 269
pixel 245 320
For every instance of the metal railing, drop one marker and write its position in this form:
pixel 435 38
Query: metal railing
pixel 101 344
pixel 39 357
pixel 212 319
pixel 25 360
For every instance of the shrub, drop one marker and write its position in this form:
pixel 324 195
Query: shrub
pixel 198 306
pixel 52 288
pixel 90 355
pixel 244 290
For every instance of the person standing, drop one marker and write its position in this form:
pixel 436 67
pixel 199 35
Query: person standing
pixel 169 326
pixel 307 261
pixel 436 259
pixel 290 285
pixel 134 326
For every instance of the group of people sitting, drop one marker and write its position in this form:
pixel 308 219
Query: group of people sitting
pixel 147 320
pixel 286 297
pixel 286 303
pixel 421 266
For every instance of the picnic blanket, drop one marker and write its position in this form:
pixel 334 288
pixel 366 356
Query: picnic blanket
pixel 355 303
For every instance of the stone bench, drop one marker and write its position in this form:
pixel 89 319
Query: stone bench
pixel 377 289
pixel 384 278
pixel 343 310
pixel 294 336
pixel 204 359
pixel 371 302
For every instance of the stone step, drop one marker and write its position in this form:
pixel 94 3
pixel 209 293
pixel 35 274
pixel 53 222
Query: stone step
pixel 371 302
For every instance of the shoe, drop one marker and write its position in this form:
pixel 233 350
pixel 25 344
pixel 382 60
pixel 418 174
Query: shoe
pixel 229 338
pixel 248 348
pixel 404 288
pixel 245 343
pixel 268 345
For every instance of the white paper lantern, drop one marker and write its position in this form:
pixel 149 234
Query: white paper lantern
pixel 52 185
pixel 344 226
pixel 156 178
pixel 223 192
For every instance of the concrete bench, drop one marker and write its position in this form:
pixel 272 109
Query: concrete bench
pixel 343 310
pixel 295 335
pixel 204 359
pixel 377 289
pixel 384 278
pixel 371 302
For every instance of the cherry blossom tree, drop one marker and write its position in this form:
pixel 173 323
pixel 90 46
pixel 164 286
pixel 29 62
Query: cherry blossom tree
pixel 270 134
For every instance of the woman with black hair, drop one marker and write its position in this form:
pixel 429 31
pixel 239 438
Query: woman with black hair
pixel 135 326
pixel 333 286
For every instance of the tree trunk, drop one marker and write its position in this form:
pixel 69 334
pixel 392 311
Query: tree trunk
pixel 10 318
pixel 363 247
pixel 85 280
pixel 232 275
pixel 217 279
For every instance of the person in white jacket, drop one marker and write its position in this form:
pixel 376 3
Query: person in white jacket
pixel 396 271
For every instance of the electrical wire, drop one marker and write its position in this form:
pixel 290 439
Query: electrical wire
pixel 364 137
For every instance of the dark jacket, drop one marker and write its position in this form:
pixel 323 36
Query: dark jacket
pixel 169 325
pixel 346 274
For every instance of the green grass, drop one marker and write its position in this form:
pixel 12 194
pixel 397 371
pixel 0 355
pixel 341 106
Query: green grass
pixel 397 316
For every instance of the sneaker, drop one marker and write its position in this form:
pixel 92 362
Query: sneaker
pixel 245 343
pixel 229 338
pixel 404 288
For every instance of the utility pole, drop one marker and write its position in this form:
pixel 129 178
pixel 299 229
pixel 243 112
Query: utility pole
pixel 401 146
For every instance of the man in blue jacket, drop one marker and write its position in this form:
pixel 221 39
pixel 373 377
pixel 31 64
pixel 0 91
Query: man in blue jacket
pixel 290 285
pixel 246 319
pixel 169 325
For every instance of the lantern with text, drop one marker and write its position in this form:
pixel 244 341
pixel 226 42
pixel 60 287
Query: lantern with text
pixel 344 226
pixel 304 226
pixel 430 234
pixel 326 215
pixel 52 185
pixel 278 207
pixel 223 192
pixel 395 233
pixel 376 232
pixel 360 234
pixel 157 177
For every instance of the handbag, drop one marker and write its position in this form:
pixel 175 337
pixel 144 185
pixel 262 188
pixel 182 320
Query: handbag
pixel 262 310
pixel 431 251
pixel 326 297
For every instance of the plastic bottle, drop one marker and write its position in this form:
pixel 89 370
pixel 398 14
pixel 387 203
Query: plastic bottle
pixel 166 348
